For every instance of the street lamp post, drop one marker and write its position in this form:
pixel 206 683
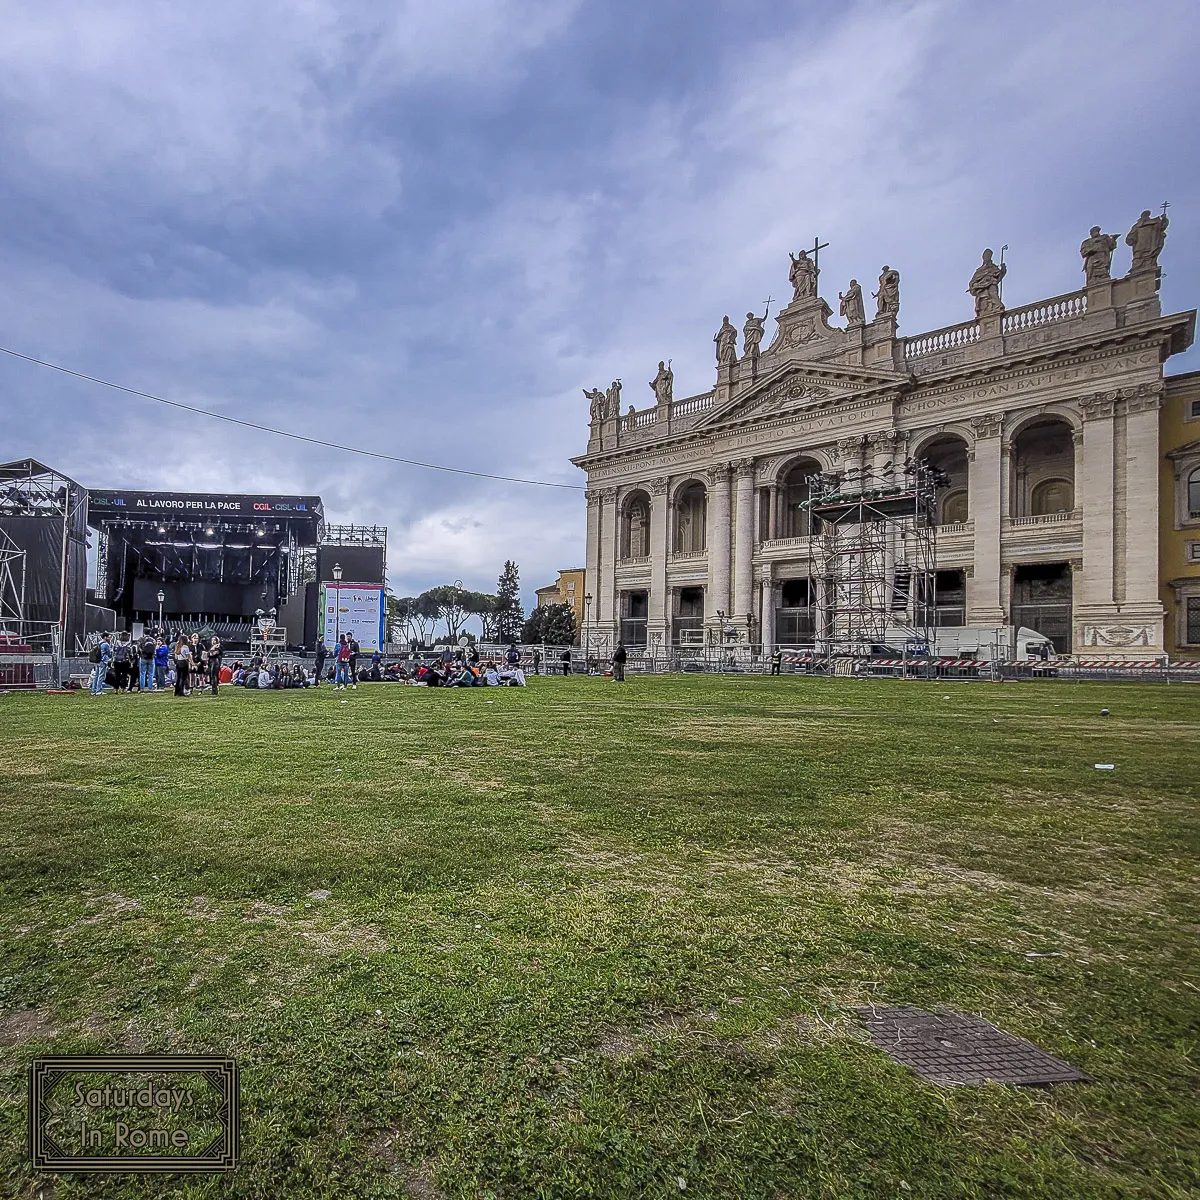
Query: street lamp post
pixel 161 597
pixel 337 606
pixel 587 627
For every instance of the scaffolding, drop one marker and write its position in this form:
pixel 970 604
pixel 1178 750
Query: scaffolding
pixel 12 589
pixel 873 546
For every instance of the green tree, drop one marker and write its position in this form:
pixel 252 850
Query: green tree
pixel 447 603
pixel 551 623
pixel 483 606
pixel 509 613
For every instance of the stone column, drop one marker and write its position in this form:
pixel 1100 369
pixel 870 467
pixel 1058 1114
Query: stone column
pixel 1096 499
pixel 717 541
pixel 743 565
pixel 773 512
pixel 850 452
pixel 985 487
pixel 767 616
pixel 658 609
pixel 604 605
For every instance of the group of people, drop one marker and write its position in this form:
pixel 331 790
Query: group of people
pixel 191 665
pixel 154 663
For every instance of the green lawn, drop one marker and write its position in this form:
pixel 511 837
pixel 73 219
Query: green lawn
pixel 591 941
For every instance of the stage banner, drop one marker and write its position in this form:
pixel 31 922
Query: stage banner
pixel 355 609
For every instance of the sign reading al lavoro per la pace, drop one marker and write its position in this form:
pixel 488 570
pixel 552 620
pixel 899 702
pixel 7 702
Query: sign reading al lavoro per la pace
pixel 138 1112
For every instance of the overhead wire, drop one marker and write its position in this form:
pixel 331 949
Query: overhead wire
pixel 299 437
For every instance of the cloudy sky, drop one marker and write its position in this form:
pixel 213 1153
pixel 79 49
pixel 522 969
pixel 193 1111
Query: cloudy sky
pixel 423 227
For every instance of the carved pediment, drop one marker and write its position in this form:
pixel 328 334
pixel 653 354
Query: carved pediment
pixel 798 388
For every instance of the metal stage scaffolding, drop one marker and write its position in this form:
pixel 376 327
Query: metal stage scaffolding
pixel 873 546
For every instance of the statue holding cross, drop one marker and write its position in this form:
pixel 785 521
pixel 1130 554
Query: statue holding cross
pixel 804 271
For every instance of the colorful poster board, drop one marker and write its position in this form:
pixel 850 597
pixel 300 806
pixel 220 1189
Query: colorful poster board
pixel 353 608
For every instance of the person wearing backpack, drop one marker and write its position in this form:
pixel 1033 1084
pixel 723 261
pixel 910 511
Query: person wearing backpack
pixel 123 664
pixel 146 663
pixel 100 657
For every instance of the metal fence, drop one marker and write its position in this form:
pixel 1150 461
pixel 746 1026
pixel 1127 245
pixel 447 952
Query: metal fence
pixel 20 671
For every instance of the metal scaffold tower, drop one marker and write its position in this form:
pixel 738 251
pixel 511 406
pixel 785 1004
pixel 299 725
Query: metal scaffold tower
pixel 12 588
pixel 873 546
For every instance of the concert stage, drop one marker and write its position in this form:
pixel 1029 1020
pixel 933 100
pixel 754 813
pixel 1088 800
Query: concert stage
pixel 215 559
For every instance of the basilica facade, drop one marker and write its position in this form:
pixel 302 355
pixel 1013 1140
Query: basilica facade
pixel 1041 421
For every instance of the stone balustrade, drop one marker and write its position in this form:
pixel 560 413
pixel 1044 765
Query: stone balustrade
pixel 941 340
pixel 1045 312
pixel 1046 519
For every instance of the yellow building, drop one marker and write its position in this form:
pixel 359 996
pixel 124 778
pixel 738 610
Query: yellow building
pixel 1179 514
pixel 568 590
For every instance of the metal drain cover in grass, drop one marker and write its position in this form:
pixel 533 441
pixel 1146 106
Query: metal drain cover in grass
pixel 955 1048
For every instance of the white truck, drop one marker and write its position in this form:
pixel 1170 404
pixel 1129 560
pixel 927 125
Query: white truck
pixel 1007 643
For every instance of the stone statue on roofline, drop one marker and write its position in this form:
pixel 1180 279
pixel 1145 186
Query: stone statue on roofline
pixel 985 286
pixel 726 339
pixel 1147 238
pixel 850 304
pixel 597 411
pixel 612 399
pixel 802 276
pixel 663 383
pixel 752 335
pixel 888 297
pixel 1097 251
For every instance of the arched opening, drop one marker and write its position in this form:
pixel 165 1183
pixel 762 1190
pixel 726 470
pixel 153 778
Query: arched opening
pixel 1051 496
pixel 947 454
pixel 1043 469
pixel 1193 493
pixel 795 520
pixel 635 526
pixel 691 515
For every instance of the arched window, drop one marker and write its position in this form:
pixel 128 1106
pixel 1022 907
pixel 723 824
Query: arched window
pixel 795 518
pixel 1194 493
pixel 1042 471
pixel 954 507
pixel 691 513
pixel 635 541
pixel 1051 496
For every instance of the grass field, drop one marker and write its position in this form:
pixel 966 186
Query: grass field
pixel 590 941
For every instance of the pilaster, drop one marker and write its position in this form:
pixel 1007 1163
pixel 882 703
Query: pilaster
pixel 658 611
pixel 605 605
pixel 985 487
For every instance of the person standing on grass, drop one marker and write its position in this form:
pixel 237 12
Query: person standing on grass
pixel 214 664
pixel 100 658
pixel 355 651
pixel 566 662
pixel 513 657
pixel 162 662
pixel 121 663
pixel 537 661
pixel 146 649
pixel 618 663
pixel 342 674
pixel 320 653
pixel 776 661
pixel 183 665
